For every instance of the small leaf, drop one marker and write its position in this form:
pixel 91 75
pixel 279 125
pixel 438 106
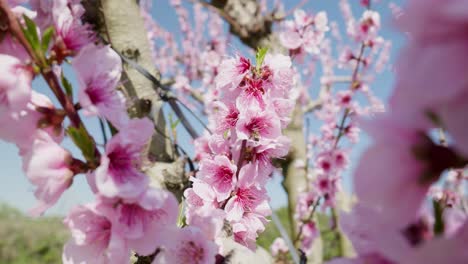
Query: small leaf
pixel 174 124
pixel 46 37
pixel 83 141
pixel 112 128
pixel 439 225
pixel 31 33
pixel 260 56
pixel 67 85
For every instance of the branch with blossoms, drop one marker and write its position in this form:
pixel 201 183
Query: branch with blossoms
pixel 409 184
pixel 326 160
pixel 127 214
pixel 306 39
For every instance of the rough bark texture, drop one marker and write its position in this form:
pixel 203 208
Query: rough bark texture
pixel 126 32
pixel 295 178
pixel 246 21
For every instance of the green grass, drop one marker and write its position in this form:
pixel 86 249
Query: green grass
pixel 329 237
pixel 30 241
pixel 271 232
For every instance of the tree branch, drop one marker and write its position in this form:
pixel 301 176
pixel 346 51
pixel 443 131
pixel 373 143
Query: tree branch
pixel 246 22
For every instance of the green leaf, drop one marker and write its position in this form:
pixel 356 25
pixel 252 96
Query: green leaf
pixel 112 128
pixel 439 225
pixel 260 56
pixel 174 124
pixel 67 85
pixel 83 141
pixel 181 220
pixel 46 37
pixel 30 33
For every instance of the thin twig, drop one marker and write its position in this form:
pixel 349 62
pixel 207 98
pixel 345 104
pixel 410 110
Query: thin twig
pixel 353 83
pixel 163 92
pixel 103 131
pixel 307 220
pixel 241 157
pixel 45 70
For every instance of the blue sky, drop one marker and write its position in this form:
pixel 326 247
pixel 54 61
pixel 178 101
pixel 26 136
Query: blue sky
pixel 16 190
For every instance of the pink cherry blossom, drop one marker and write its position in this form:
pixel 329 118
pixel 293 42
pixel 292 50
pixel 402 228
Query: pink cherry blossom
pixel 219 145
pixel 15 84
pixel 94 239
pixel 135 217
pixel 44 10
pixel 416 96
pixel 188 245
pixel 366 30
pixel 283 108
pixel 304 205
pixel 431 252
pixel 143 221
pixel 305 31
pixel 10 46
pixel 247 197
pixel 446 19
pixel 232 72
pixel 29 120
pixel 400 190
pixel 257 125
pixel 279 75
pixel 227 116
pixel 379 238
pixel 98 83
pixel 201 197
pixel 210 221
pixel 371 258
pixel 119 173
pixel 263 152
pixel 201 148
pixel 278 247
pixel 47 166
pixel 200 194
pixel 219 173
pixel 454 219
pixel 247 229
pixel 309 233
pixel 70 32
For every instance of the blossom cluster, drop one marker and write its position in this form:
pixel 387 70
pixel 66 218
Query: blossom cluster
pixel 305 33
pixel 29 119
pixel 236 160
pixel 393 221
pixel 341 105
pixel 127 213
